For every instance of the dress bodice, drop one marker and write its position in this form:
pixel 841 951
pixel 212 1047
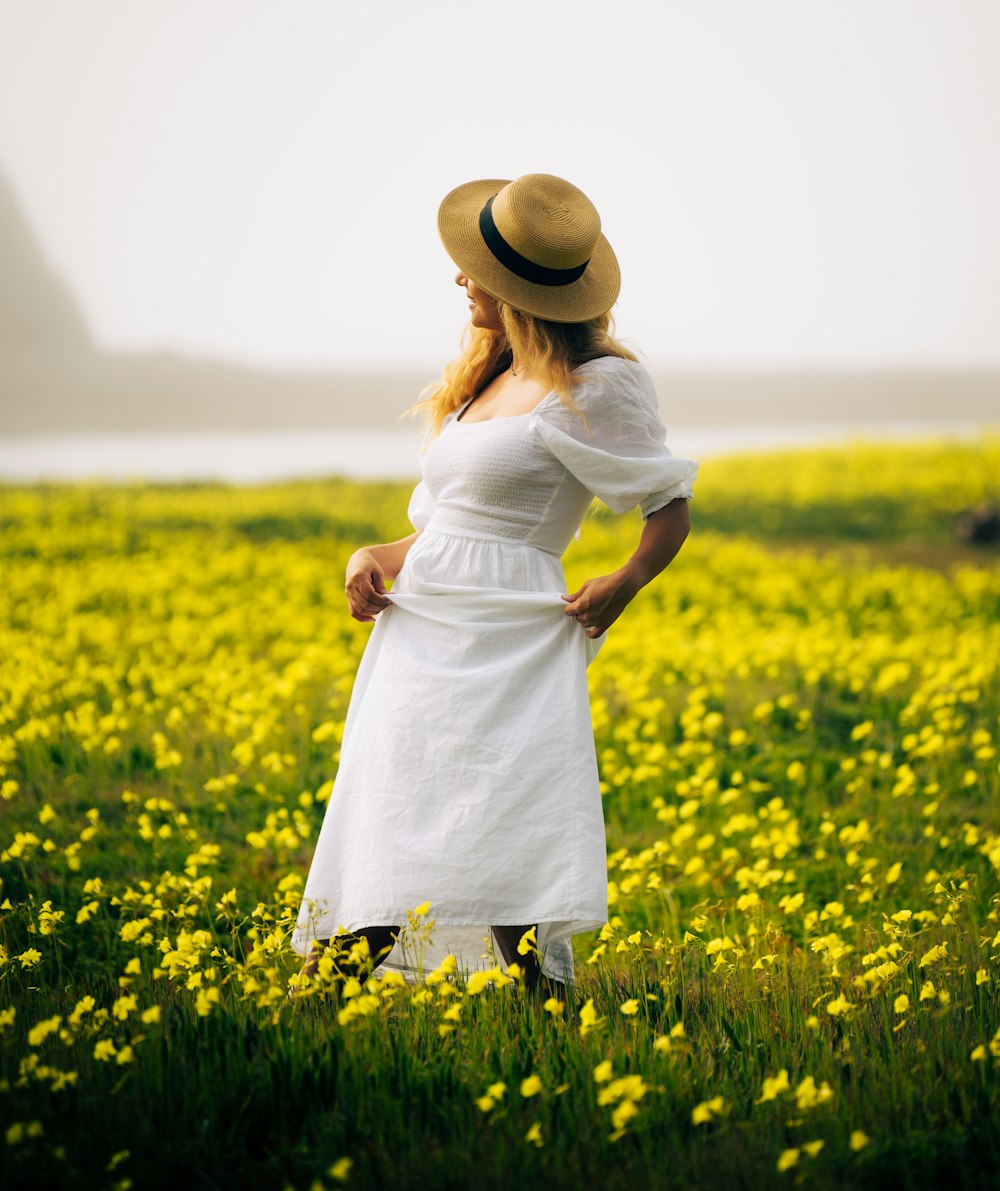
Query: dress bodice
pixel 530 478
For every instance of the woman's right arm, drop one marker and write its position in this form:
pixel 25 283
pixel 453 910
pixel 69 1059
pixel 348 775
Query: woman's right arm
pixel 367 572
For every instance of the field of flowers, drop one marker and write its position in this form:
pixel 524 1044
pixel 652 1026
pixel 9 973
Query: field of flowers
pixel 797 731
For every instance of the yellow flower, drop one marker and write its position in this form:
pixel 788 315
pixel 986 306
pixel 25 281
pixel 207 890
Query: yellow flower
pixel 901 1003
pixel 787 1159
pixel 531 1086
pixel 982 977
pixel 29 958
pixel 83 1006
pixel 702 1113
pixel 839 1005
pixel 933 955
pixel 554 1006
pixel 725 943
pixel 859 1139
pixel 630 1008
pixel 496 1090
pixel 534 1134
pixel 677 1030
pixel 39 1033
pixel 341 1169
pixel 477 982
pixel 979 1054
pixel 104 1050
pixel 588 1018
pixel 631 1087
pixel 206 998
pixel 86 912
pixel 485 1103
pixel 17 1132
pixel 151 1015
pixel 602 1072
pixel 812 1148
pixel 774 1086
pixel 808 1095
pixel 123 1007
pixel 527 942
pixel 621 1115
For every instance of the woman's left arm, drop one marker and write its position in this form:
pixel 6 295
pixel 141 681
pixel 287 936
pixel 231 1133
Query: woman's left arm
pixel 600 601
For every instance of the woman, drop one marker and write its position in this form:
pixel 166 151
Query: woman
pixel 468 776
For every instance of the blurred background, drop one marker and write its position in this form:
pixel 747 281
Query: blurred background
pixel 219 258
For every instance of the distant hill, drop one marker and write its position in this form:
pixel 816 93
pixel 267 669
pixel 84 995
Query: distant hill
pixel 53 380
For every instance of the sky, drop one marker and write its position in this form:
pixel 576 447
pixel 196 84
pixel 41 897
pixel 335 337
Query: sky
pixel 788 183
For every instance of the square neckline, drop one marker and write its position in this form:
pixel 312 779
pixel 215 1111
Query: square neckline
pixel 457 418
pixel 456 415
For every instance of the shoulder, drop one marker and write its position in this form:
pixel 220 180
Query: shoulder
pixel 613 370
pixel 610 366
pixel 613 380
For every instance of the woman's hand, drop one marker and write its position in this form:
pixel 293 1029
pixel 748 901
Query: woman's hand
pixel 367 572
pixel 365 585
pixel 599 602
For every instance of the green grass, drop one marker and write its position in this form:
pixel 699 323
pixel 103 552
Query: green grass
pixel 789 712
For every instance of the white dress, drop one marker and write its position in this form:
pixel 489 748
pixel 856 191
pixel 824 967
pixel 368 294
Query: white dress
pixel 468 777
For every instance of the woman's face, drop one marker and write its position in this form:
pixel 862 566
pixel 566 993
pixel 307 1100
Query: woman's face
pixel 482 308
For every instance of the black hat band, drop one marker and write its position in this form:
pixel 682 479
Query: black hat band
pixel 511 259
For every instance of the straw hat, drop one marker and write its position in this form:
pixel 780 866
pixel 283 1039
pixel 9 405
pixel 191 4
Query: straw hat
pixel 535 243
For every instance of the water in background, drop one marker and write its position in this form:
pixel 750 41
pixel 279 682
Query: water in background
pixel 368 454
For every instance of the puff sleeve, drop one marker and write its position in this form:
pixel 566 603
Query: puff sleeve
pixel 619 454
pixel 421 506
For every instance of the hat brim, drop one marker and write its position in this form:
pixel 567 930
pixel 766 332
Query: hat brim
pixel 592 294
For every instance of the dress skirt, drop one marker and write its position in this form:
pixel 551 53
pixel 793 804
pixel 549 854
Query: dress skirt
pixel 468 776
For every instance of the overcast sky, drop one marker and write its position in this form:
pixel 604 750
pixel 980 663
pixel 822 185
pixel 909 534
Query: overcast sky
pixel 791 182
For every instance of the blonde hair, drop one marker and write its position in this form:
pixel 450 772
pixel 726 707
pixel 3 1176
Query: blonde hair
pixel 549 350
